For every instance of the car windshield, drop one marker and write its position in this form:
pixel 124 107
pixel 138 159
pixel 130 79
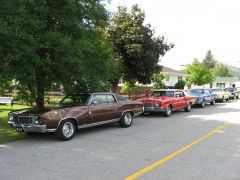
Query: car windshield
pixel 217 90
pixel 196 91
pixel 162 93
pixel 230 89
pixel 80 99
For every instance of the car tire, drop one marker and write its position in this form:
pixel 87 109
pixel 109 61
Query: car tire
pixel 222 100
pixel 126 119
pixel 227 99
pixel 202 105
pixel 237 97
pixel 66 130
pixel 188 108
pixel 168 111
pixel 213 102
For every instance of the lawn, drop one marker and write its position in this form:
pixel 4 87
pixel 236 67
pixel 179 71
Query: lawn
pixel 6 133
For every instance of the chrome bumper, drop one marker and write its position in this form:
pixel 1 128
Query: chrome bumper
pixel 152 109
pixel 29 128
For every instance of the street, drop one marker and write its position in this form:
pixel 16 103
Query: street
pixel 181 145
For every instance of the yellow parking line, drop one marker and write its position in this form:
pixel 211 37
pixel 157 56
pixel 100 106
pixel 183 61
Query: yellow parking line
pixel 170 156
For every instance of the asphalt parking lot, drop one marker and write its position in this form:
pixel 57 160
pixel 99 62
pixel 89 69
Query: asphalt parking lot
pixel 180 146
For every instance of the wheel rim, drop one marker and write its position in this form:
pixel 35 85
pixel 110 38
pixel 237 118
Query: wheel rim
pixel 68 129
pixel 168 110
pixel 128 118
pixel 203 104
pixel 189 107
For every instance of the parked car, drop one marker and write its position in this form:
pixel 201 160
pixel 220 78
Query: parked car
pixel 234 92
pixel 76 111
pixel 203 96
pixel 166 101
pixel 221 94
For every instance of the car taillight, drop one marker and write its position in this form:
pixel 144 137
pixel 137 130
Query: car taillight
pixel 157 104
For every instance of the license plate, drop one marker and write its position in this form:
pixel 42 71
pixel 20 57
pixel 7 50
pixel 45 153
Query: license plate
pixel 19 129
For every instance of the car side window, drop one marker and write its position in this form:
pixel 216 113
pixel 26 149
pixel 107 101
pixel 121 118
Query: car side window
pixel 208 91
pixel 100 99
pixel 111 99
pixel 179 94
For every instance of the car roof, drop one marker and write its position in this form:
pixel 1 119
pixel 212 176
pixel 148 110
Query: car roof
pixel 168 90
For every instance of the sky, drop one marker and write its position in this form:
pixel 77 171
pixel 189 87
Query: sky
pixel 194 26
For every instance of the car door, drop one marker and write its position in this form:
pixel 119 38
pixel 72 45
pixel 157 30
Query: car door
pixel 100 108
pixel 179 100
pixel 209 95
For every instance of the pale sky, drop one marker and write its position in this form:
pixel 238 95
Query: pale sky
pixel 194 26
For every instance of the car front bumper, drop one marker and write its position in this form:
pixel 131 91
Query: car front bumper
pixel 28 128
pixel 152 109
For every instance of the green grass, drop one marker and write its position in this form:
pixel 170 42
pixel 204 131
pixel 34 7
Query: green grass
pixel 6 132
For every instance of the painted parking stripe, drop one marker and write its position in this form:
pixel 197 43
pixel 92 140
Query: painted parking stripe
pixel 172 155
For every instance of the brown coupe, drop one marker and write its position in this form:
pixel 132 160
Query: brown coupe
pixel 76 111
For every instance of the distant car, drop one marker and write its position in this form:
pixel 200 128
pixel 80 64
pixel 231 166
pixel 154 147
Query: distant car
pixel 166 101
pixel 234 92
pixel 76 111
pixel 221 94
pixel 203 96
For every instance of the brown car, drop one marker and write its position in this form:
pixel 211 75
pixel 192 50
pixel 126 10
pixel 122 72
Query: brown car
pixel 76 111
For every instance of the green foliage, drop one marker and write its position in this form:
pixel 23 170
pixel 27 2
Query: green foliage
pixel 135 44
pixel 200 74
pixel 58 41
pixel 158 81
pixel 221 70
pixel 130 88
pixel 209 60
pixel 180 84
pixel 7 133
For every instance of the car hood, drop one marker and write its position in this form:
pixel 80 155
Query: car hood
pixel 153 99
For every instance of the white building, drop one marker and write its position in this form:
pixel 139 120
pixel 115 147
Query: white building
pixel 173 76
pixel 226 82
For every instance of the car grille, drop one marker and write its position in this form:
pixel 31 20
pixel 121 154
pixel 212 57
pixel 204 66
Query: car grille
pixel 23 119
pixel 148 105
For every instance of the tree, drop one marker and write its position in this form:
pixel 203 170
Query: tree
pixel 60 41
pixel 158 81
pixel 136 45
pixel 209 60
pixel 180 84
pixel 200 74
pixel 221 70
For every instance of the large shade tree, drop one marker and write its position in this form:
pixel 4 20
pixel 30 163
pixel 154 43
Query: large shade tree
pixel 200 74
pixel 137 47
pixel 60 41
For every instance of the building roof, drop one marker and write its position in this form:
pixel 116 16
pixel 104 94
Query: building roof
pixel 226 80
pixel 169 71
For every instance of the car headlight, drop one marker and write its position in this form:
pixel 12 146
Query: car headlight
pixel 36 120
pixel 10 117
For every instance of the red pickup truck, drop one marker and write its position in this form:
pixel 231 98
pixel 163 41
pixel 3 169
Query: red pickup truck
pixel 166 101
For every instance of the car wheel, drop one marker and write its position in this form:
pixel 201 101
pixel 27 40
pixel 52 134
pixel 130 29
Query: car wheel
pixel 168 111
pixel 66 130
pixel 213 102
pixel 202 105
pixel 222 100
pixel 237 97
pixel 227 99
pixel 188 108
pixel 126 119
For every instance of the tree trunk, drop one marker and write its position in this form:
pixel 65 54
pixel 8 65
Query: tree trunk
pixel 40 90
pixel 114 83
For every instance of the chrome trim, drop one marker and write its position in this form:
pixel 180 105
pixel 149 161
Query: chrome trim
pixel 63 120
pixel 97 123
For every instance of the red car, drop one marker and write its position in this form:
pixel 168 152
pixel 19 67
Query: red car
pixel 166 101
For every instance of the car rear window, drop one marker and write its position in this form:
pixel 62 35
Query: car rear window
pixel 120 97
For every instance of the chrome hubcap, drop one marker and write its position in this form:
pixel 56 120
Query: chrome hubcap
pixel 128 118
pixel 68 129
pixel 168 110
